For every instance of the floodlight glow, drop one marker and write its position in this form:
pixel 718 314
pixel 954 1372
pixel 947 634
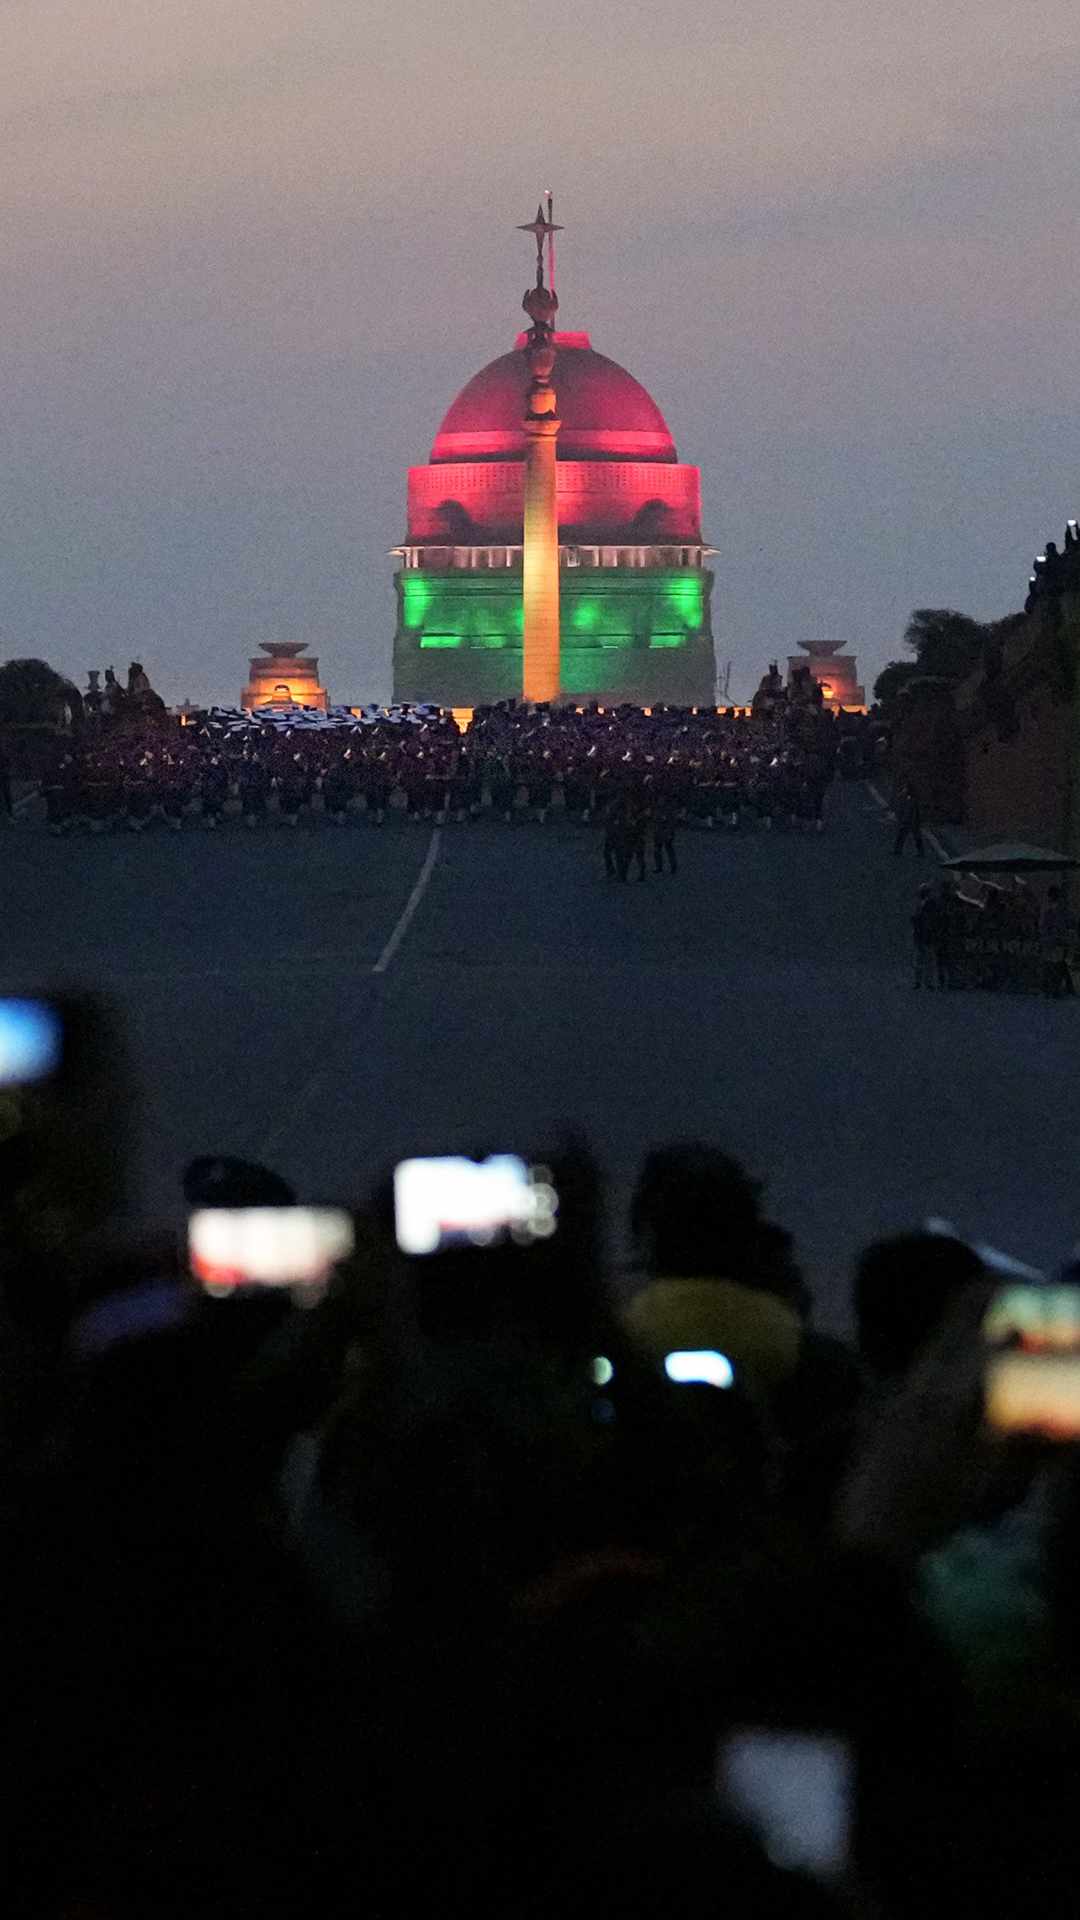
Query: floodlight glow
pixel 586 614
pixel 702 1366
pixel 417 594
pixel 602 1370
pixel 30 1041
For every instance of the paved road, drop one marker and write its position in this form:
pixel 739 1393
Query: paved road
pixel 760 999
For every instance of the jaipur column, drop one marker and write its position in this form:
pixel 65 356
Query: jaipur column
pixel 540 584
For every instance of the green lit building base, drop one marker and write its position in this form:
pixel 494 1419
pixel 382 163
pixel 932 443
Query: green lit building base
pixel 640 635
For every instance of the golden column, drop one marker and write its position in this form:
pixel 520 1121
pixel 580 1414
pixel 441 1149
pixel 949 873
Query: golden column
pixel 540 583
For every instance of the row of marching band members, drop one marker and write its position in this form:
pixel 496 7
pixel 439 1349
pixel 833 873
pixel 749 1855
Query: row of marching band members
pixel 511 764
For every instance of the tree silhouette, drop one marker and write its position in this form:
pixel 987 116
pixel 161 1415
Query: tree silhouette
pixel 33 694
pixel 892 680
pixel 947 646
pixel 945 642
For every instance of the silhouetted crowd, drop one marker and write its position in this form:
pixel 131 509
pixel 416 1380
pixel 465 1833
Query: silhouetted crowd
pixel 512 764
pixel 503 1583
pixel 994 934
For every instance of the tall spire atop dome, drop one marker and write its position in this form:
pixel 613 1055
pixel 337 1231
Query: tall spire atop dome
pixel 544 228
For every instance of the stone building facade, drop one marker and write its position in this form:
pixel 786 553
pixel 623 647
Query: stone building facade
pixel 834 672
pixel 284 679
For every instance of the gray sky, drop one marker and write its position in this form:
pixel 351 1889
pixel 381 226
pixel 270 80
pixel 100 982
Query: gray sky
pixel 251 251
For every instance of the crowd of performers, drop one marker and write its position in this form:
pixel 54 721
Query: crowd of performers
pixel 994 934
pixel 512 764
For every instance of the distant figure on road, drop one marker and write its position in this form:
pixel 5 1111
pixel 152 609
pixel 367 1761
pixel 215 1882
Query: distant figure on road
pixel 926 934
pixel 624 838
pixel 949 934
pixel 1054 931
pixel 665 818
pixel 908 819
pixel 817 775
pixel 254 791
pixel 215 791
pixel 638 823
pixel 614 835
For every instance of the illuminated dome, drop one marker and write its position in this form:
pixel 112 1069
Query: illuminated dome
pixel 633 584
pixel 606 414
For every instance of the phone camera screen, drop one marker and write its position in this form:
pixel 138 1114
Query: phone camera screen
pixel 1033 1367
pixel 267 1246
pixel 455 1202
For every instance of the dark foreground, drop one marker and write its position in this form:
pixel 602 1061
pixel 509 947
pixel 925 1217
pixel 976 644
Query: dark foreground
pixel 450 1594
pixel 760 999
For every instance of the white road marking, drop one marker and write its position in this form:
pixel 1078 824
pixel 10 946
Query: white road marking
pixel 386 956
pixel 294 963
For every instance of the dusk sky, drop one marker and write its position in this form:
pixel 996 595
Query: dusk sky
pixel 250 251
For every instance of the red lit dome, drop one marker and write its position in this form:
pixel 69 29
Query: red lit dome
pixel 606 414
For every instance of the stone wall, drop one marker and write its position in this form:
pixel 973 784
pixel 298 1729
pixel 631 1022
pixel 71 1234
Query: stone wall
pixel 1019 724
pixel 928 750
pixel 1018 788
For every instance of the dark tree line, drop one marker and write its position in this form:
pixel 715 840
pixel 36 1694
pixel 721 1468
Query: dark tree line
pixel 947 645
pixel 33 694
